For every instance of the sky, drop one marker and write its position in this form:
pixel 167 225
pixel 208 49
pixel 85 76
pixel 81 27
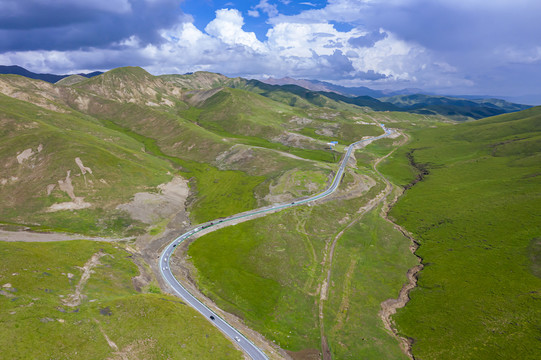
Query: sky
pixel 477 47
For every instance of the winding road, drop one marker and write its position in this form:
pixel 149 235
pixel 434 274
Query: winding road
pixel 250 348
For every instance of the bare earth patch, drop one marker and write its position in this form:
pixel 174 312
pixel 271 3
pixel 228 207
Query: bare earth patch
pixel 26 236
pixel 292 139
pixel 300 120
pixel 83 168
pixel 235 154
pixel 389 307
pixel 149 208
pixel 24 155
pixel 76 203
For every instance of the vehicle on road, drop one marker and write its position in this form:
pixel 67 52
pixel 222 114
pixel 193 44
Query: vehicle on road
pixel 211 317
pixel 237 338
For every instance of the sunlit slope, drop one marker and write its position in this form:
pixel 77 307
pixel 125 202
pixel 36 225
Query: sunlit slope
pixel 231 129
pixel 53 163
pixel 42 318
pixel 475 214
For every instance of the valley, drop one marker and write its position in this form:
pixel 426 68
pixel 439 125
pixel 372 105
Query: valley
pixel 137 160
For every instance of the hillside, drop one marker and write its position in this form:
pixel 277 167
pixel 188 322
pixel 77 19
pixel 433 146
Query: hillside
pixel 452 107
pixel 128 154
pixel 410 100
pixel 474 211
pixel 316 85
pixel 58 167
pixel 105 317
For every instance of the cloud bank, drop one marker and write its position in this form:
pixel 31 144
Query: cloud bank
pixel 438 45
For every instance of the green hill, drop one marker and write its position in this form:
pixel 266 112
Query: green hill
pixel 474 213
pixel 39 152
pixel 42 318
pixel 452 107
pixel 75 154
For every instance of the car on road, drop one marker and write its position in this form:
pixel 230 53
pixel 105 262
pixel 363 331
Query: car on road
pixel 237 338
pixel 211 317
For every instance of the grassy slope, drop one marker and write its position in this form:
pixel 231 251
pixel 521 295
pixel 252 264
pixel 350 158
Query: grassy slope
pixel 475 216
pixel 252 119
pixel 141 325
pixel 111 140
pixel 112 156
pixel 278 256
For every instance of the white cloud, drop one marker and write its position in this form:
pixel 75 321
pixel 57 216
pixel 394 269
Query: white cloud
pixel 519 55
pixel 269 9
pixel 296 47
pixel 253 13
pixel 227 26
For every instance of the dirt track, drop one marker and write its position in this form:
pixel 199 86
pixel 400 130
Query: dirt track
pixel 26 236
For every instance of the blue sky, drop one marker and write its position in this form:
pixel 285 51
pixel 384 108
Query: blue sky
pixel 444 46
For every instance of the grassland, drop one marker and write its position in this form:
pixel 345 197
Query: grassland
pixel 37 324
pixel 282 256
pixel 475 215
pixel 231 147
pixel 369 267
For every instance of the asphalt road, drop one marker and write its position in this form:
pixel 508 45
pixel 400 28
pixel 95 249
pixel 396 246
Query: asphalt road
pixel 253 351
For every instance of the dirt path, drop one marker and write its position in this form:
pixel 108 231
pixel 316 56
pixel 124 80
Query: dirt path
pixel 390 306
pixel 75 299
pixel 27 236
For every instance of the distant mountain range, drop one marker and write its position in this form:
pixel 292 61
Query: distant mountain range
pixel 52 78
pixel 299 93
pixel 316 85
pixel 411 100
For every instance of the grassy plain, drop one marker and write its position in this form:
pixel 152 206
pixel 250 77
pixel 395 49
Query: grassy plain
pixel 37 324
pixel 476 217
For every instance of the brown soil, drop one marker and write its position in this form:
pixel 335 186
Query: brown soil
pixel 75 299
pixel 145 276
pixel 76 203
pixel 24 155
pixel 150 208
pixel 297 140
pixel 198 97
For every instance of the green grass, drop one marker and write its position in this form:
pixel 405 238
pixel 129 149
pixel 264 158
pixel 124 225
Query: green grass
pixel 475 216
pixel 369 267
pixel 280 256
pixel 222 193
pixel 300 183
pixel 143 325
pixel 229 273
pixel 119 169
